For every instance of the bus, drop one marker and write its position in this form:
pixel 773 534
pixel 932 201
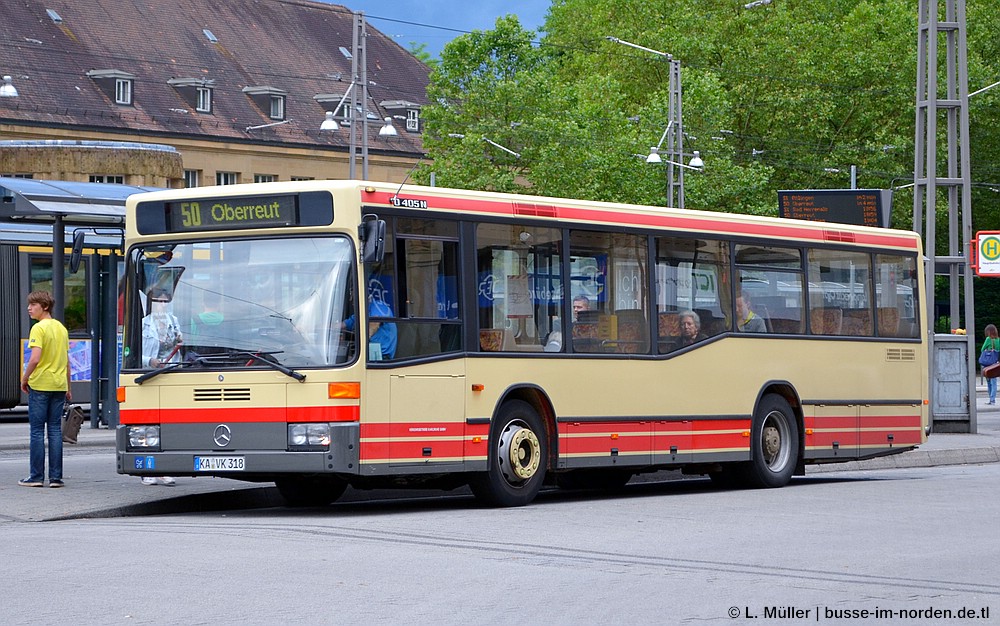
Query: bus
pixel 326 334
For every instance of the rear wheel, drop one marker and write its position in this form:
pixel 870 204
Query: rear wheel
pixel 774 444
pixel 517 457
pixel 310 490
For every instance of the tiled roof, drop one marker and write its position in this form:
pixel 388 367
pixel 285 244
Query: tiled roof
pixel 292 46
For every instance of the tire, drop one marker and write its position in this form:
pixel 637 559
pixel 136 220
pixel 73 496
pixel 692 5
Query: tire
pixel 597 479
pixel 774 444
pixel 303 491
pixel 517 460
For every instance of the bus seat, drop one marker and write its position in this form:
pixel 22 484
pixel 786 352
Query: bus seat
pixel 888 321
pixel 761 311
pixel 857 323
pixel 826 321
pixel 633 332
pixel 668 330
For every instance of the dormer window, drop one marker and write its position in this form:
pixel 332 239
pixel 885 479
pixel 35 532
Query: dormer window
pixel 277 107
pixel 116 84
pixel 197 92
pixel 123 91
pixel 268 99
pixel 412 120
pixel 204 99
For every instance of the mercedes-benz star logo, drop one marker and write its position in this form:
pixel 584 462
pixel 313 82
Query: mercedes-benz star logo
pixel 223 435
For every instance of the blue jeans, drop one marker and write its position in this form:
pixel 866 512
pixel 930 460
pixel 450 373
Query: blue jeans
pixel 45 409
pixel 991 386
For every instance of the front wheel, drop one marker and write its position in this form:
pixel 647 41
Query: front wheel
pixel 517 459
pixel 774 444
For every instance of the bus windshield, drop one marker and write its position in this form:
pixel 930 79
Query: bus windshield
pixel 284 298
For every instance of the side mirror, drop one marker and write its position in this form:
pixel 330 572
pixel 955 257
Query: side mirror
pixel 371 232
pixel 74 258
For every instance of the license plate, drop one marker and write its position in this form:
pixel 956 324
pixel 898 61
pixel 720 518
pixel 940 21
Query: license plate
pixel 219 463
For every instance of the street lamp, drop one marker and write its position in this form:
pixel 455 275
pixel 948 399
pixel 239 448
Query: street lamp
pixel 388 130
pixel 359 76
pixel 673 134
pixel 8 90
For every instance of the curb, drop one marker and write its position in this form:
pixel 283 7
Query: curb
pixel 915 458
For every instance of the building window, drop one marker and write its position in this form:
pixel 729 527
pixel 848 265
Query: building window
pixel 295 178
pixel 412 120
pixel 277 107
pixel 107 178
pixel 204 104
pixel 17 175
pixel 192 178
pixel 227 178
pixel 123 91
pixel 265 178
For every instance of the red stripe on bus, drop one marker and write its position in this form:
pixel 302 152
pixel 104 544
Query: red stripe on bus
pixel 720 226
pixel 244 414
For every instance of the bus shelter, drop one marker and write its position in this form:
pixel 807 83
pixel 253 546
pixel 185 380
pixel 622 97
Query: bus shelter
pixel 47 214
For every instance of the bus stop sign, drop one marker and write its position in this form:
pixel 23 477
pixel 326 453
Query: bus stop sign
pixel 987 253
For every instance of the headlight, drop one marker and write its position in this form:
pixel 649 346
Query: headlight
pixel 308 436
pixel 144 436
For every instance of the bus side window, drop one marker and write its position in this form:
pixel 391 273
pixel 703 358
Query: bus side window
pixel 519 288
pixel 427 318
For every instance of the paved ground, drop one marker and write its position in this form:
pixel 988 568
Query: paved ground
pixel 94 489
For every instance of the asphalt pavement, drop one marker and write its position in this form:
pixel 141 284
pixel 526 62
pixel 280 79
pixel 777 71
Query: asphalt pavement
pixel 94 489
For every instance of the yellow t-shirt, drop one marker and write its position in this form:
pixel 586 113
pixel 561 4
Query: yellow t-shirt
pixel 50 374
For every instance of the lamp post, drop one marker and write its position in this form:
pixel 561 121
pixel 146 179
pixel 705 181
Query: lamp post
pixel 359 76
pixel 673 135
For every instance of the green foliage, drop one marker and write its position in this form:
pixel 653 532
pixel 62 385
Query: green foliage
pixel 787 95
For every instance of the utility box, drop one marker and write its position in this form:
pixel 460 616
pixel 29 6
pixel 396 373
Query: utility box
pixel 953 394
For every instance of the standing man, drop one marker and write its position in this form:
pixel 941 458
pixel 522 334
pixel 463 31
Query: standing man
pixel 46 380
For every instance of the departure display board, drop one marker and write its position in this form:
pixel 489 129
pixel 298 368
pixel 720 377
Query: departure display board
pixel 861 207
pixel 308 208
pixel 230 213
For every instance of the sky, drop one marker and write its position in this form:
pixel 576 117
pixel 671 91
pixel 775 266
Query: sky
pixel 444 19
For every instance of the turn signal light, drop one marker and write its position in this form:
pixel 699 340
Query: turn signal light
pixel 350 391
pixel 120 394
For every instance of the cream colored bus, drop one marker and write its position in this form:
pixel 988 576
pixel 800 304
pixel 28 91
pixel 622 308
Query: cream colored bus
pixel 322 334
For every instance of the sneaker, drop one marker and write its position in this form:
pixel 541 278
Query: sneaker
pixel 148 480
pixel 55 484
pixel 168 481
pixel 28 482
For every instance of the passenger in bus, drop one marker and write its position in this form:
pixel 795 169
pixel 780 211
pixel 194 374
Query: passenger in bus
pixel 746 320
pixel 580 303
pixel 161 344
pixel 210 315
pixel 691 333
pixel 161 333
pixel 382 336
pixel 553 343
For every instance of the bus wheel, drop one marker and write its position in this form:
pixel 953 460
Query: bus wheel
pixel 774 444
pixel 310 490
pixel 517 458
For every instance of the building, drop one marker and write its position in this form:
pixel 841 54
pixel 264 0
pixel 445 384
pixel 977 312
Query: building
pixel 239 88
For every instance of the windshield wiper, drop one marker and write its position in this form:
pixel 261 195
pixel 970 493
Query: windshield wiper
pixel 254 356
pixel 164 370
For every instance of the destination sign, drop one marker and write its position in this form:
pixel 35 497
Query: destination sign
pixel 862 207
pixel 230 213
